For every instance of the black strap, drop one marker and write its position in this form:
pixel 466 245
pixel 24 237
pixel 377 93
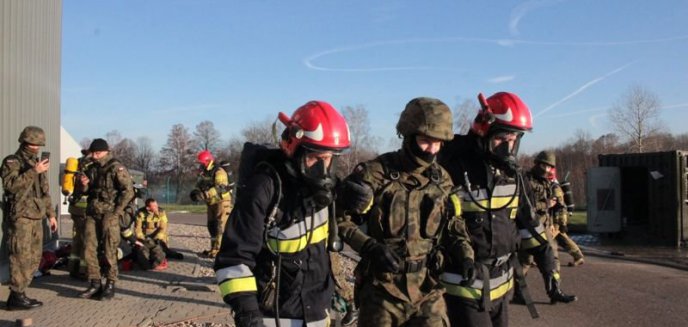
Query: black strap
pixel 523 287
pixel 486 301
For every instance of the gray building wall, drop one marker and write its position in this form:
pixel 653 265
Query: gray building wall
pixel 30 62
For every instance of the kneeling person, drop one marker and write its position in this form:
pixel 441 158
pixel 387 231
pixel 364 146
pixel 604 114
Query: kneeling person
pixel 151 233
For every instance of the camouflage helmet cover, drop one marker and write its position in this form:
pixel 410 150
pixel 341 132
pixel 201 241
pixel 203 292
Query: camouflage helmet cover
pixel 426 116
pixel 547 158
pixel 32 135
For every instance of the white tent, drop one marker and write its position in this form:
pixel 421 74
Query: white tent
pixel 69 147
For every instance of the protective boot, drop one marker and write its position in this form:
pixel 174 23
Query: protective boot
pixel 34 301
pixel 351 316
pixel 109 290
pixel 93 290
pixel 577 259
pixel 555 293
pixel 19 301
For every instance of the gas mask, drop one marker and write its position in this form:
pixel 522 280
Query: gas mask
pixel 319 179
pixel 503 148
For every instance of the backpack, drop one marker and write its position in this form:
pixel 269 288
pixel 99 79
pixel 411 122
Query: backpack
pixel 254 158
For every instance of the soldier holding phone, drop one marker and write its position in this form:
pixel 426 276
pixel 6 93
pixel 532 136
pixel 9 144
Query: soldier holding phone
pixel 26 202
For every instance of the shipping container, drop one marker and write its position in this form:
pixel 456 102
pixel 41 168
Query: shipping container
pixel 652 192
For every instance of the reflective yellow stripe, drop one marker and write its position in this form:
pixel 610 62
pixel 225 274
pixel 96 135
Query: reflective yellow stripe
pixel 476 294
pixel 456 201
pixel 369 205
pixel 470 206
pixel 296 245
pixel 556 275
pixel 127 232
pixel 245 284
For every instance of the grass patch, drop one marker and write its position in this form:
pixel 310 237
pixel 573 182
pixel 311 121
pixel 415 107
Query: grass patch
pixel 578 222
pixel 192 208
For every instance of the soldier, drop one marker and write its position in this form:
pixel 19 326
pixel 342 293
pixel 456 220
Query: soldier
pixel 151 231
pixel 560 215
pixel 26 204
pixel 400 262
pixel 495 211
pixel 273 267
pixel 213 188
pixel 542 192
pixel 77 212
pixel 109 188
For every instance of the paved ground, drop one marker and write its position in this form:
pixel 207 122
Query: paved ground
pixel 181 293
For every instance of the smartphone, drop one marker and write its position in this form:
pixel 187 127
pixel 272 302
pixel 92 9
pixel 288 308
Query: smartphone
pixel 45 155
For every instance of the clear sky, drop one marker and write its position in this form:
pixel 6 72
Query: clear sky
pixel 141 66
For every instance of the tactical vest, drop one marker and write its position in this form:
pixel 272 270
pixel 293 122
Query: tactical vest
pixel 102 193
pixel 28 203
pixel 409 208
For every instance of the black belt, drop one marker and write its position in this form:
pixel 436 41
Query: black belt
pixel 415 266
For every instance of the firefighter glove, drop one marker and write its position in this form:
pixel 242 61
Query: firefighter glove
pixel 249 319
pixel 383 259
pixel 196 196
pixel 468 272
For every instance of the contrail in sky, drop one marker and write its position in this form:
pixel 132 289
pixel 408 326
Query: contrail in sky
pixel 521 10
pixel 583 88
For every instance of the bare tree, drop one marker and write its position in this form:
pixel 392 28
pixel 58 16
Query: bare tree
pixel 144 155
pixel 177 157
pixel 113 137
pixel 363 145
pixel 206 136
pixel 463 114
pixel 85 143
pixel 635 116
pixel 259 132
pixel 124 151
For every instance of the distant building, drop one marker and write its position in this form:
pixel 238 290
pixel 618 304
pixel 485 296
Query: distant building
pixel 30 44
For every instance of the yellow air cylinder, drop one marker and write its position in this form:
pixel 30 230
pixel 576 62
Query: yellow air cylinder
pixel 71 168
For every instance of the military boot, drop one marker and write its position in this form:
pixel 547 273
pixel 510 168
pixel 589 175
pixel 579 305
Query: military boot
pixel 34 301
pixel 351 316
pixel 93 290
pixel 19 301
pixel 555 293
pixel 577 259
pixel 108 290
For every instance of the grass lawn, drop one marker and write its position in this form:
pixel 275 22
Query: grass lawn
pixel 192 208
pixel 578 222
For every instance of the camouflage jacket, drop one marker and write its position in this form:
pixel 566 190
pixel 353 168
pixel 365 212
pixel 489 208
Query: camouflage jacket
pixel 542 191
pixel 110 188
pixel 410 211
pixel 26 191
pixel 558 212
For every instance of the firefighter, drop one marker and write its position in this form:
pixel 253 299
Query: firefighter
pixel 274 263
pixel 26 202
pixel 494 202
pixel 396 279
pixel 213 187
pixel 559 211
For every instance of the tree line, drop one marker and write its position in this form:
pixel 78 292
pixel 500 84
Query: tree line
pixel 171 171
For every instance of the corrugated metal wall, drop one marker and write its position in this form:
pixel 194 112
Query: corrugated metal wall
pixel 666 195
pixel 30 62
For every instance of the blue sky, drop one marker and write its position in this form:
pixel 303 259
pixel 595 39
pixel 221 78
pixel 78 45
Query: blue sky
pixel 141 66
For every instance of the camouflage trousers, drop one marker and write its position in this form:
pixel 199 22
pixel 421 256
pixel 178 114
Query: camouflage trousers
pixel 525 257
pixel 78 227
pixel 217 219
pixel 25 240
pixel 101 231
pixel 379 308
pixel 150 255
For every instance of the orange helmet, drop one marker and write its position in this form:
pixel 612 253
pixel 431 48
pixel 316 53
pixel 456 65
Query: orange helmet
pixel 316 126
pixel 205 158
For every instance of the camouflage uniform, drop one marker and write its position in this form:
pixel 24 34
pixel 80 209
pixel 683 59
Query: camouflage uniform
pixel 109 192
pixel 409 211
pixel 542 191
pixel 28 203
pixel 151 230
pixel 213 184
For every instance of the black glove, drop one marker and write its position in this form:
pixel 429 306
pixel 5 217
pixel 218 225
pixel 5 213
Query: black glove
pixel 196 196
pixel 468 272
pixel 249 319
pixel 355 197
pixel 381 257
pixel 563 229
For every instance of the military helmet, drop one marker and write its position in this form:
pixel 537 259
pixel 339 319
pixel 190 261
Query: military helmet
pixel 547 158
pixel 32 135
pixel 426 116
